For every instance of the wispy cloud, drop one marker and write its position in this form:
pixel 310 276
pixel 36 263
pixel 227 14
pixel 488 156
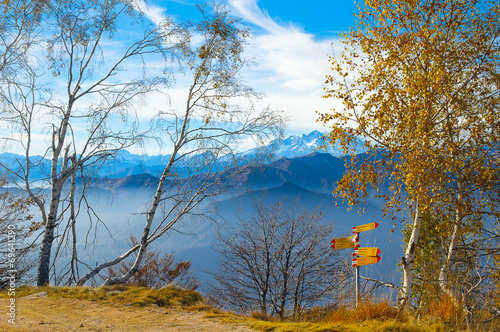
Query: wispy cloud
pixel 292 64
pixel 154 13
pixel 251 12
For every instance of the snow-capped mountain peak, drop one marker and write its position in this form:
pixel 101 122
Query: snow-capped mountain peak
pixel 126 163
pixel 304 144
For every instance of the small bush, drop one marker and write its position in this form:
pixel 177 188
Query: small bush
pixel 157 271
pixel 445 309
pixel 203 308
pixel 262 316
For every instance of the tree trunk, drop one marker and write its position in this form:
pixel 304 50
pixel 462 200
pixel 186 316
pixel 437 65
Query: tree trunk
pixel 284 295
pixel 263 302
pixel 154 206
pixel 101 267
pixel 408 259
pixel 450 257
pixel 45 252
pixel 58 180
pixel 145 234
pixel 75 275
pixel 48 238
pixel 445 268
pixel 297 298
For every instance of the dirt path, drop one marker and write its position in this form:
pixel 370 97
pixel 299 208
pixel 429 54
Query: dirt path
pixel 42 313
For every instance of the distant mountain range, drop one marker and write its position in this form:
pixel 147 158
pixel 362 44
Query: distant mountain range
pixel 306 182
pixel 301 145
pixel 298 173
pixel 127 164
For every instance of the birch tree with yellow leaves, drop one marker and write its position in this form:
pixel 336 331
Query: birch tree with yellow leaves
pixel 419 81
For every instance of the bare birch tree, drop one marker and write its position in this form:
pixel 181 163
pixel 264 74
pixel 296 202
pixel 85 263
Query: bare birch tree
pixel 88 113
pixel 219 114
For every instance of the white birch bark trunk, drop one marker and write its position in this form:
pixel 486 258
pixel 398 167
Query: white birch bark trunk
pixel 57 179
pixel 145 234
pixel 156 201
pixel 444 282
pixel 408 259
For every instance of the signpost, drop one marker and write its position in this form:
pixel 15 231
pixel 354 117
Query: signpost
pixel 366 251
pixel 365 227
pixel 361 256
pixel 360 261
pixel 351 238
pixel 345 242
pixel 343 245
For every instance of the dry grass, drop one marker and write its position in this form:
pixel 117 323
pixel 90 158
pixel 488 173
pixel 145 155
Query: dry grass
pixel 367 310
pixel 441 315
pixel 203 308
pixel 369 316
pixel 119 294
pixel 377 316
pixel 445 310
pixel 374 326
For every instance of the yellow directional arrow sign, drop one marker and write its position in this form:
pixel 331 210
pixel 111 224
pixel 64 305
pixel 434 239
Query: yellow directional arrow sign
pixel 367 251
pixel 360 261
pixel 344 242
pixel 344 239
pixel 365 227
pixel 343 245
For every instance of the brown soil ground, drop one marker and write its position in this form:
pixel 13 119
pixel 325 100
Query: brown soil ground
pixel 42 313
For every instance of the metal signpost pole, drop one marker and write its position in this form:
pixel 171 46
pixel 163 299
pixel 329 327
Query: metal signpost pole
pixel 357 279
pixel 357 286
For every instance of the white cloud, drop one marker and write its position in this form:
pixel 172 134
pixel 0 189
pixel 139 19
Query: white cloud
pixel 302 109
pixel 293 59
pixel 250 12
pixel 292 65
pixel 154 13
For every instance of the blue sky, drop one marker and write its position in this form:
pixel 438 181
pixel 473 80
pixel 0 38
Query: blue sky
pixel 323 18
pixel 291 43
